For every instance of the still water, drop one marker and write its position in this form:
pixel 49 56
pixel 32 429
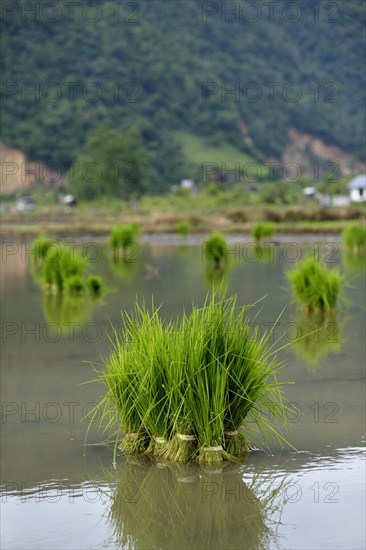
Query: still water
pixel 60 489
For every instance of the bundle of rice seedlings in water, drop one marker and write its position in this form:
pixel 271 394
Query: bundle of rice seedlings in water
pixel 316 287
pixel 121 376
pixel 122 239
pixel 182 446
pixel 95 285
pixel 74 285
pixel 188 387
pixel 215 249
pixel 182 228
pixel 252 381
pixel 262 230
pixel 354 237
pixel 60 264
pixel 207 378
pixel 40 247
pixel 151 358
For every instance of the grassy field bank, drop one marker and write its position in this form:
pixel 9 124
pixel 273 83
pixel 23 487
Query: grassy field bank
pixel 163 214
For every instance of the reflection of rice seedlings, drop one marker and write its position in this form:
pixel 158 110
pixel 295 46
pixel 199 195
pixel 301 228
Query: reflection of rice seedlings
pixel 216 274
pixel 315 286
pixel 123 269
pixel 256 252
pixel 186 507
pixel 354 263
pixel 189 386
pixel 318 335
pixel 61 309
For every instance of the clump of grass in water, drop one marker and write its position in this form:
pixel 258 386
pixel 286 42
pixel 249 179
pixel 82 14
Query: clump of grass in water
pixel 122 238
pixel 215 248
pixel 74 285
pixel 40 247
pixel 315 286
pixel 261 231
pixel 354 237
pixel 182 228
pixel 184 389
pixel 62 263
pixel 95 285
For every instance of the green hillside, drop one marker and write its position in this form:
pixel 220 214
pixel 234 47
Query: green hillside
pixel 167 68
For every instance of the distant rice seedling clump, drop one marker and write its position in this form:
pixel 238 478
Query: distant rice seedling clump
pixel 354 237
pixel 123 238
pixel 40 248
pixel 187 390
pixel 182 228
pixel 315 286
pixel 262 230
pixel 62 269
pixel 215 249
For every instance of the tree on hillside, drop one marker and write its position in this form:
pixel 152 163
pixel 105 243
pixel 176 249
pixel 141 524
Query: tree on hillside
pixel 115 165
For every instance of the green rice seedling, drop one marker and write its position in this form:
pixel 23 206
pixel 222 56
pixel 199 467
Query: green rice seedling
pixel 316 287
pixel 186 388
pixel 182 445
pixel 182 228
pixel 262 230
pixel 122 239
pixel 122 377
pixel 74 285
pixel 151 358
pixel 216 274
pixel 60 264
pixel 40 248
pixel 215 249
pixel 354 237
pixel 95 285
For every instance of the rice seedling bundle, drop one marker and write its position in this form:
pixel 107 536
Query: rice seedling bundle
pixel 185 390
pixel 215 249
pixel 262 230
pixel 354 237
pixel 182 228
pixel 122 238
pixel 60 268
pixel 315 286
pixel 40 248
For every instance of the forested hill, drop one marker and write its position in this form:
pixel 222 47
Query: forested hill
pixel 168 67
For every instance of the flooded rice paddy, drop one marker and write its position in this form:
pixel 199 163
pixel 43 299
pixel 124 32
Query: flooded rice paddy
pixel 59 487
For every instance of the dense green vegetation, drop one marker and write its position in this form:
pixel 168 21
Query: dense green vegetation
pixel 262 230
pixel 163 69
pixel 215 249
pixel 316 287
pixel 60 269
pixel 354 237
pixel 122 238
pixel 184 389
